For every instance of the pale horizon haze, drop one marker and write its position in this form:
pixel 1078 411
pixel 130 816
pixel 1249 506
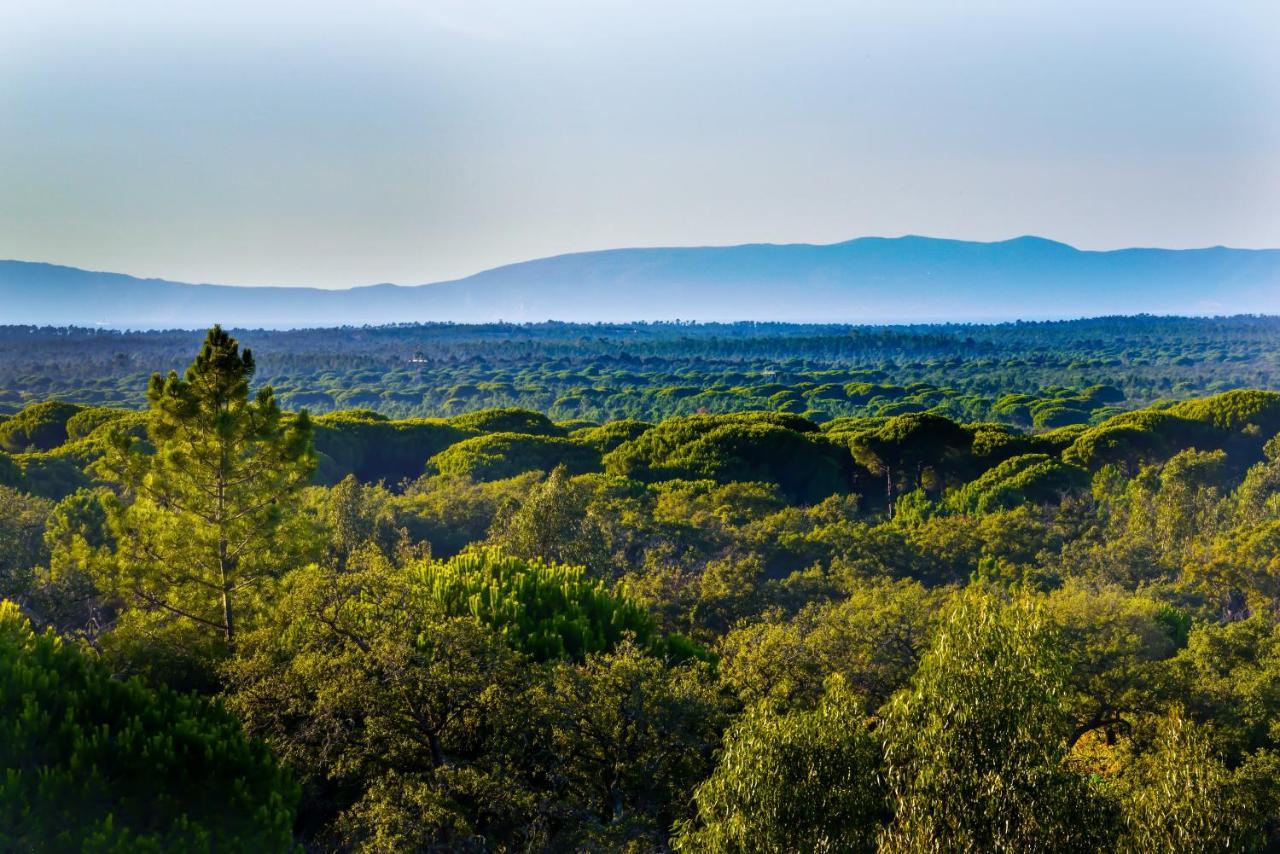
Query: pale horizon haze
pixel 336 144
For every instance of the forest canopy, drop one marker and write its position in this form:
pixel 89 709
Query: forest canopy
pixel 913 589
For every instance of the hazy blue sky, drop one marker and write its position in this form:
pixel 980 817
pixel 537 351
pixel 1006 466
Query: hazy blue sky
pixel 337 143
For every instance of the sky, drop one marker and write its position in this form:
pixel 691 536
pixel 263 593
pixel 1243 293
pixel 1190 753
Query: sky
pixel 341 143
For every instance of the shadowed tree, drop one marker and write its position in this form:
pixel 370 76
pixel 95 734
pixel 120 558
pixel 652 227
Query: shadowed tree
pixel 94 763
pixel 918 449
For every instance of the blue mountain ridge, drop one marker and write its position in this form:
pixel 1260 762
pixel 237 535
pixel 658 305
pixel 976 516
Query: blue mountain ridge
pixel 865 280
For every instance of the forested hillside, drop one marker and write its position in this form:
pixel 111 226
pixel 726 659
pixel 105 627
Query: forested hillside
pixel 643 588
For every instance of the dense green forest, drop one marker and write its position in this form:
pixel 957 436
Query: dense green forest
pixel 1028 374
pixel 642 588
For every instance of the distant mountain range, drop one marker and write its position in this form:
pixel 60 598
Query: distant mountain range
pixel 870 279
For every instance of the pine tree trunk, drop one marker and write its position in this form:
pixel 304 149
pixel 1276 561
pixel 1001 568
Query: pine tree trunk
pixel 227 621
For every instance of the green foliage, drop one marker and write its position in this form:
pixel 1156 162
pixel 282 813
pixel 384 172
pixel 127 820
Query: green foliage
pixel 38 427
pixel 22 523
pixel 90 762
pixel 607 437
pixel 994 443
pixel 89 419
pixel 1057 413
pixel 794 781
pixel 1239 420
pixel 555 522
pixel 75 544
pixel 872 639
pixel 1179 796
pixel 754 447
pixel 941 639
pixel 10 473
pixel 629 733
pixel 911 451
pixel 60 471
pixel 450 513
pixel 54 474
pixel 359 516
pixel 1029 478
pixel 1235 411
pixel 373 448
pixel 1135 437
pixel 507 421
pixel 494 456
pixel 212 488
pixel 1111 641
pixel 545 610
pixel 390 712
pixel 605 372
pixel 975 745
pixel 1229 676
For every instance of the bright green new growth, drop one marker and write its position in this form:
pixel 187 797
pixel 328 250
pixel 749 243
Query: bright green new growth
pixel 89 762
pixel 546 610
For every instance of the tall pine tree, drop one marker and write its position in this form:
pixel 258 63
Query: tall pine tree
pixel 205 521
